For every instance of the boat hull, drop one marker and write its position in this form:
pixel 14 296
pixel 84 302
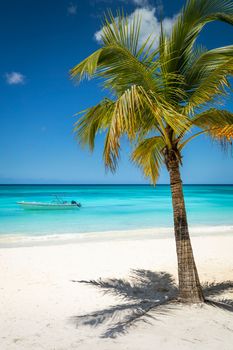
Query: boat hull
pixel 47 206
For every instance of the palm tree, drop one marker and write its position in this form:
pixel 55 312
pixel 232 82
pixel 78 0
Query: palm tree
pixel 157 96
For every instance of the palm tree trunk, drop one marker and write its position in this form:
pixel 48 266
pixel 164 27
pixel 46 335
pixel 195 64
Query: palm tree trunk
pixel 189 285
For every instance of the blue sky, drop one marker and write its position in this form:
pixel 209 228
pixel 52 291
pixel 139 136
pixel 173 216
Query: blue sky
pixel 40 41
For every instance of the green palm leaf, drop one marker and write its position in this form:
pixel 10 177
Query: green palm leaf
pixel 208 75
pixel 156 91
pixel 156 96
pixel 193 17
pixel 93 120
pixel 120 61
pixel 148 155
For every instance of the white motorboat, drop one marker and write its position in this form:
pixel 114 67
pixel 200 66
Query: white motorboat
pixel 56 204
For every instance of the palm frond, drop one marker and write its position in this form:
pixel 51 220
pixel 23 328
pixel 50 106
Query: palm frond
pixel 148 155
pixel 163 112
pixel 193 17
pixel 157 91
pixel 210 86
pixel 92 121
pixel 217 123
pixel 125 119
pixel 213 118
pixel 121 61
pixel 88 67
pixel 207 76
pixel 204 61
pixel 111 152
pixel 120 31
pixel 118 67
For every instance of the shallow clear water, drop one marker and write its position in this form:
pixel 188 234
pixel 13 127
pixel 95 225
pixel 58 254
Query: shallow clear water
pixel 112 207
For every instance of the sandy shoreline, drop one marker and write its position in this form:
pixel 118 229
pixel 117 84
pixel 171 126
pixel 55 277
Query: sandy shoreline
pixel 20 240
pixel 39 301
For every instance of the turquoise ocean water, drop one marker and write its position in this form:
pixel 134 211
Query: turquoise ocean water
pixel 111 207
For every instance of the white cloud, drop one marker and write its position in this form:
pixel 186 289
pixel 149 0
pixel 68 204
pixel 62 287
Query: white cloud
pixel 135 2
pixel 150 24
pixel 72 9
pixel 15 78
pixel 140 2
pixel 98 35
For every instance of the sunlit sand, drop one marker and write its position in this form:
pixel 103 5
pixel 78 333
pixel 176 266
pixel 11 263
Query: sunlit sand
pixel 105 293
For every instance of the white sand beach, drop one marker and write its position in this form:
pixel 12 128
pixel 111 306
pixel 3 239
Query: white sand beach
pixel 41 303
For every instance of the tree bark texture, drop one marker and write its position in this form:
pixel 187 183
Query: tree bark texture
pixel 190 290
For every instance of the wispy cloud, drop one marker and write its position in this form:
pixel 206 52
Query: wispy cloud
pixel 72 9
pixel 140 2
pixel 135 2
pixel 15 78
pixel 150 24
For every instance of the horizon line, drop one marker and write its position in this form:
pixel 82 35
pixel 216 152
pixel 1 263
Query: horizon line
pixel 113 184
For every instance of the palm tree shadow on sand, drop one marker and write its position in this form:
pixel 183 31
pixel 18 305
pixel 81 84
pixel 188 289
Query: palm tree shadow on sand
pixel 144 293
